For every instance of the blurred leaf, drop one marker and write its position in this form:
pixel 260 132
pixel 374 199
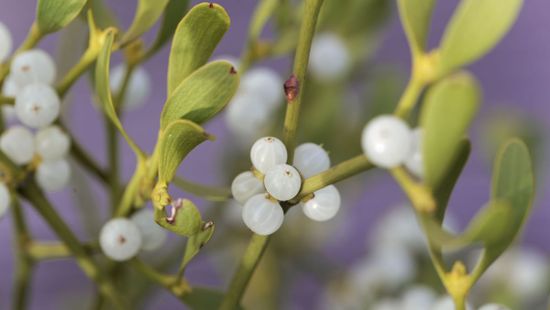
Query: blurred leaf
pixel 175 142
pixel 184 219
pixel 209 193
pixel 196 242
pixel 52 15
pixel 475 28
pixel 491 225
pixel 196 37
pixel 416 16
pixel 448 110
pixel 147 14
pixel 384 92
pixel 202 94
pixel 104 16
pixel 173 13
pixel 264 10
pixel 204 298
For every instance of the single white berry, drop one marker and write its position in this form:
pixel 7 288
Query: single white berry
pixel 414 161
pixel 33 66
pixel 418 297
pixel 138 89
pixel 394 264
pixel 446 303
pixel 120 239
pixel 493 307
pixel 18 144
pixel 10 88
pixel 324 205
pixel 265 83
pixel 329 58
pixel 8 112
pixel 310 159
pixel 152 235
pixel 262 215
pixel 528 274
pixel 246 185
pixel 53 175
pixel 5 199
pixel 282 182
pixel 52 143
pixel 386 141
pixel 386 304
pixel 247 117
pixel 267 152
pixel 6 42
pixel 37 105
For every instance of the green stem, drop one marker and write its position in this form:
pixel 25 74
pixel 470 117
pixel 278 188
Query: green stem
pixel 178 287
pixel 23 261
pixel 113 162
pixel 210 193
pixel 7 100
pixel 87 59
pixel 409 98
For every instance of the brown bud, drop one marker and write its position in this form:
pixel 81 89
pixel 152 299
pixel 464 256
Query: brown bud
pixel 292 88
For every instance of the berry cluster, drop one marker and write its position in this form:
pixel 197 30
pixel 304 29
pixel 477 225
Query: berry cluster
pixel 272 181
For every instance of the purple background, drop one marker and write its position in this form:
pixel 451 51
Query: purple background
pixel 515 74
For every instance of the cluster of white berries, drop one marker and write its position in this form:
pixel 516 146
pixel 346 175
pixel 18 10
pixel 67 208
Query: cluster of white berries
pixel 121 238
pixel 262 212
pixel 138 89
pixel 329 58
pixel 389 142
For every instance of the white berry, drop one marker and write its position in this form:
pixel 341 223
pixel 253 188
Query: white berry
pixel 246 185
pixel 414 161
pixel 310 159
pixel 152 235
pixel 37 105
pixel 386 141
pixel 446 303
pixel 418 297
pixel 493 307
pixel 138 89
pixel 267 152
pixel 247 117
pixel 5 199
pixel 264 83
pixel 53 175
pixel 6 42
pixel 18 144
pixel 52 143
pixel 120 239
pixel 10 88
pixel 282 182
pixel 262 215
pixel 33 66
pixel 324 205
pixel 329 58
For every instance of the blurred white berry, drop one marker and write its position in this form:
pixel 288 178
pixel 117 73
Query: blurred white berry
pixel 493 307
pixel 310 159
pixel 138 89
pixel 247 117
pixel 282 182
pixel 446 303
pixel 5 199
pixel 120 239
pixel 52 143
pixel 33 66
pixel 267 152
pixel 246 185
pixel 5 42
pixel 414 161
pixel 399 227
pixel 418 297
pixel 324 205
pixel 152 235
pixel 262 215
pixel 329 58
pixel 528 274
pixel 265 83
pixel 18 144
pixel 386 141
pixel 53 175
pixel 37 105
pixel 395 264
pixel 10 88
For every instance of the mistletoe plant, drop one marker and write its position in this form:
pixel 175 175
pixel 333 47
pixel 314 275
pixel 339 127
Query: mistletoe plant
pixel 440 100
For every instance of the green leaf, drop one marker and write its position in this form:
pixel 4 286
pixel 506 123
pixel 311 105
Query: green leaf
pixel 173 13
pixel 202 94
pixel 147 14
pixel 184 218
pixel 204 298
pixel 103 89
pixel 448 110
pixel 176 141
pixel 52 15
pixel 416 16
pixel 196 37
pixel 476 27
pixel 104 16
pixel 196 242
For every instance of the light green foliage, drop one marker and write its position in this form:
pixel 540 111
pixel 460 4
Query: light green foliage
pixel 147 14
pixel 196 242
pixel 186 220
pixel 416 16
pixel 52 15
pixel 173 13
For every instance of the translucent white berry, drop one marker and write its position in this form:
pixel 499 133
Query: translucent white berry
pixel 33 66
pixel 394 264
pixel 262 215
pixel 446 303
pixel 10 88
pixel 386 141
pixel 528 274
pixel 324 205
pixel 6 42
pixel 282 182
pixel 247 117
pixel 37 105
pixel 52 143
pixel 5 199
pixel 138 89
pixel 414 161
pixel 310 159
pixel 267 152
pixel 329 58
pixel 418 297
pixel 120 239
pixel 246 185
pixel 493 307
pixel 53 175
pixel 18 144
pixel 265 83
pixel 152 235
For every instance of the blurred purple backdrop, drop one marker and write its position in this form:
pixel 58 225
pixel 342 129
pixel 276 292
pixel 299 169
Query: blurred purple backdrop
pixel 516 74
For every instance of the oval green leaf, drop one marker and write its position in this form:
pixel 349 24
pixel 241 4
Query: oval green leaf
pixel 196 242
pixel 415 16
pixel 52 15
pixel 147 14
pixel 184 218
pixel 174 12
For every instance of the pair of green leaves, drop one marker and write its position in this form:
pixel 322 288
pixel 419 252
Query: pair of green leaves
pixel 52 15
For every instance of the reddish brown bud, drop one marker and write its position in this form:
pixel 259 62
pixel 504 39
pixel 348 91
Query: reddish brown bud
pixel 292 88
